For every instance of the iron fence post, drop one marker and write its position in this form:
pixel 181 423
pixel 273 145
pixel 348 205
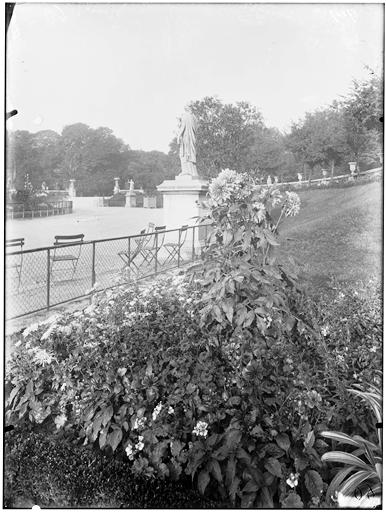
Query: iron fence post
pixel 128 253
pixel 48 278
pixel 193 248
pixel 179 248
pixel 93 277
pixel 156 253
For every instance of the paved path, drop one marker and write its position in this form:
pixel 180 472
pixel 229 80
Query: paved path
pixel 94 222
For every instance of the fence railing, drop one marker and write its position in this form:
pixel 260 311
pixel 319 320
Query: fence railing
pixel 21 211
pixel 39 279
pixel 341 177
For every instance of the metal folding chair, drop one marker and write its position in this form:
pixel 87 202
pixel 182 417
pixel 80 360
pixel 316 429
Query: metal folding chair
pixel 15 261
pixel 128 257
pixel 174 248
pixel 153 245
pixel 63 254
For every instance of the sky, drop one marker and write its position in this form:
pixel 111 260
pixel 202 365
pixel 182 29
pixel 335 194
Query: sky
pixel 133 67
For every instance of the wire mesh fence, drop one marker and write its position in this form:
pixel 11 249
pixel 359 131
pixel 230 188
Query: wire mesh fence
pixel 39 279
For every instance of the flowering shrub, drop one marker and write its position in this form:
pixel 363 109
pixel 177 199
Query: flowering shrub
pixel 242 286
pixel 227 379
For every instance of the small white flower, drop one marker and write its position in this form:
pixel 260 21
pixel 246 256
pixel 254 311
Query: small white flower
pixel 139 446
pixel 156 411
pixel 325 330
pixel 170 410
pixel 48 332
pixel 60 421
pixel 31 328
pixel 373 349
pixel 129 451
pixel 201 429
pixel 139 423
pixel 292 480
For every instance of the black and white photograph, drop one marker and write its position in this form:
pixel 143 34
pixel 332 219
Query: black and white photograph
pixel 193 255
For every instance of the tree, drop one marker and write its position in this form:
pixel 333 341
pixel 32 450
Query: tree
pixel 225 135
pixel 268 155
pixel 319 139
pixel 363 118
pixel 148 169
pixel 94 157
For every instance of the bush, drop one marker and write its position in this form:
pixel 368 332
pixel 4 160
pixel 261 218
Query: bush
pixel 51 472
pixel 228 379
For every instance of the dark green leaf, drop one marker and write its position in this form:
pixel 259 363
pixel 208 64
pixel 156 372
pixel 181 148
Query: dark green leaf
pixel 203 480
pixel 293 500
pixel 314 483
pixel 216 470
pixel 283 441
pixel 114 438
pixel 273 466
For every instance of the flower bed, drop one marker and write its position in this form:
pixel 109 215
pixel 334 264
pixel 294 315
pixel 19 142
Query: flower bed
pixel 226 375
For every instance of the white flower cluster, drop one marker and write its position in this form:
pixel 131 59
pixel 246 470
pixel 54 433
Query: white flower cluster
pixel 130 450
pixel 260 210
pixel 42 356
pixel 139 423
pixel 140 445
pixel 60 420
pixel 201 429
pixel 227 183
pixel 293 480
pixel 291 204
pixel 156 411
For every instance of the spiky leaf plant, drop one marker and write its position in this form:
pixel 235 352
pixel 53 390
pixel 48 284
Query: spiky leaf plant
pixel 359 483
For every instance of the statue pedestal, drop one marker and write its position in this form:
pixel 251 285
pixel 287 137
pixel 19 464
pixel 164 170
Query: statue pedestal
pixel 182 198
pixel 149 202
pixel 131 199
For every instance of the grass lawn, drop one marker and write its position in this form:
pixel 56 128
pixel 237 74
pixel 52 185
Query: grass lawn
pixel 338 232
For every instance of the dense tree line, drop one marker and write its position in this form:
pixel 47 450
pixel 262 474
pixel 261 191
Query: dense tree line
pixel 229 136
pixel 94 157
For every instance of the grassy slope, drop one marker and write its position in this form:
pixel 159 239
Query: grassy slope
pixel 338 232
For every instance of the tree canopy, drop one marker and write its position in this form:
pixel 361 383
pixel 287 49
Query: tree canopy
pixel 228 136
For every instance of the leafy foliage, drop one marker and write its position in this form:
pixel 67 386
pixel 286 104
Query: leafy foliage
pixel 362 471
pixel 52 472
pixel 203 378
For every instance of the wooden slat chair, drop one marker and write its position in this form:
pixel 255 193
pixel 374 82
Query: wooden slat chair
pixel 15 261
pixel 174 248
pixel 153 246
pixel 63 255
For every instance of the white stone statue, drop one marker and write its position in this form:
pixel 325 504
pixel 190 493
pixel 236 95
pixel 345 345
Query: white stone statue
pixel 131 185
pixel 300 177
pixel 116 186
pixel 276 180
pixel 269 181
pixel 186 138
